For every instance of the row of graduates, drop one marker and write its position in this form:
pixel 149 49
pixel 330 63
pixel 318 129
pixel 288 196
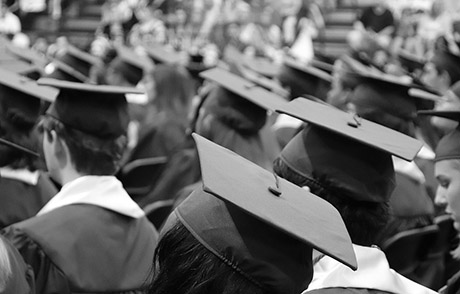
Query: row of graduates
pixel 341 158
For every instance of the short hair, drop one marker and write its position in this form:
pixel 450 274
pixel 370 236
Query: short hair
pixel 12 157
pixel 183 265
pixel 90 155
pixel 364 220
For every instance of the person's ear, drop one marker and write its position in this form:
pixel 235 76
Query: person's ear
pixel 59 148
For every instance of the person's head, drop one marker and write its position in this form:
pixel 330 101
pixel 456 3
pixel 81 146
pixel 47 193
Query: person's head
pixel 20 105
pixel 170 88
pixel 220 240
pixel 71 64
pixel 345 162
pixel 441 71
pixel 304 80
pixel 389 100
pixel 233 116
pixel 127 68
pixel 449 101
pixel 447 168
pixel 84 129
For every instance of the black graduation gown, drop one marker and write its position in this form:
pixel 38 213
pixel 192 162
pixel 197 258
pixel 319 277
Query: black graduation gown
pixel 84 248
pixel 21 278
pixel 20 200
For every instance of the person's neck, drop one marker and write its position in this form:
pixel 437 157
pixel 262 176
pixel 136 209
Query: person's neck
pixel 69 175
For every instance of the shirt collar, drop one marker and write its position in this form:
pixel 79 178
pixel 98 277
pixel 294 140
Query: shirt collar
pixel 104 191
pixel 23 175
pixel 373 272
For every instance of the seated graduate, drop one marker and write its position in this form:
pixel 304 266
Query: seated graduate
pixel 447 170
pixel 232 113
pixel 245 231
pixel 442 70
pixel 449 101
pixel 15 275
pixel 24 189
pixel 347 161
pixel 386 100
pixel 91 237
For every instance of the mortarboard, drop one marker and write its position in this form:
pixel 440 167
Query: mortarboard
pixel 61 71
pixel 130 64
pixel 449 146
pixel 389 100
pixel 304 79
pixel 261 226
pixel 75 62
pixel 244 88
pixel 160 54
pixel 20 99
pixel 99 110
pixel 351 155
pixel 409 61
pixel 309 70
pixel 262 66
pixel 28 55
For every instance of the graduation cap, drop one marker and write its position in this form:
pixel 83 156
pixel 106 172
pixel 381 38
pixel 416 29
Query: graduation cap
pixel 304 79
pixel 350 154
pixel 262 66
pixel 261 226
pixel 244 88
pixel 409 61
pixel 20 99
pixel 130 64
pixel 98 110
pixel 449 146
pixel 28 55
pixel 389 100
pixel 160 54
pixel 308 69
pixel 75 62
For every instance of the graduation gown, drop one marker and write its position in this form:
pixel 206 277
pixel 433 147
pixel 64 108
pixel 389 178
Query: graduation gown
pixel 373 275
pixel 20 277
pixel 82 243
pixel 22 195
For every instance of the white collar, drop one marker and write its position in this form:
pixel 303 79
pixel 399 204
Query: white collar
pixel 23 175
pixel 373 272
pixel 103 191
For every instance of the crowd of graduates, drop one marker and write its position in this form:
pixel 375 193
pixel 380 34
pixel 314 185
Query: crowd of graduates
pixel 191 159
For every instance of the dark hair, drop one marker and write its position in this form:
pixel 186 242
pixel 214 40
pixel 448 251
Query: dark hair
pixel 25 137
pixel 90 155
pixel 364 220
pixel 184 266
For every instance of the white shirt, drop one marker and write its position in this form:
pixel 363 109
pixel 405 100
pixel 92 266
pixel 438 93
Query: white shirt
pixel 373 272
pixel 103 191
pixel 23 175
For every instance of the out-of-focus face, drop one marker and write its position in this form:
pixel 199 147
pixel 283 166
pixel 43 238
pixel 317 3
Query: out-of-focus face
pixel 448 193
pixel 449 101
pixel 432 78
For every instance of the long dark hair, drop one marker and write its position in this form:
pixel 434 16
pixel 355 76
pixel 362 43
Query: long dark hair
pixel 364 220
pixel 184 266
